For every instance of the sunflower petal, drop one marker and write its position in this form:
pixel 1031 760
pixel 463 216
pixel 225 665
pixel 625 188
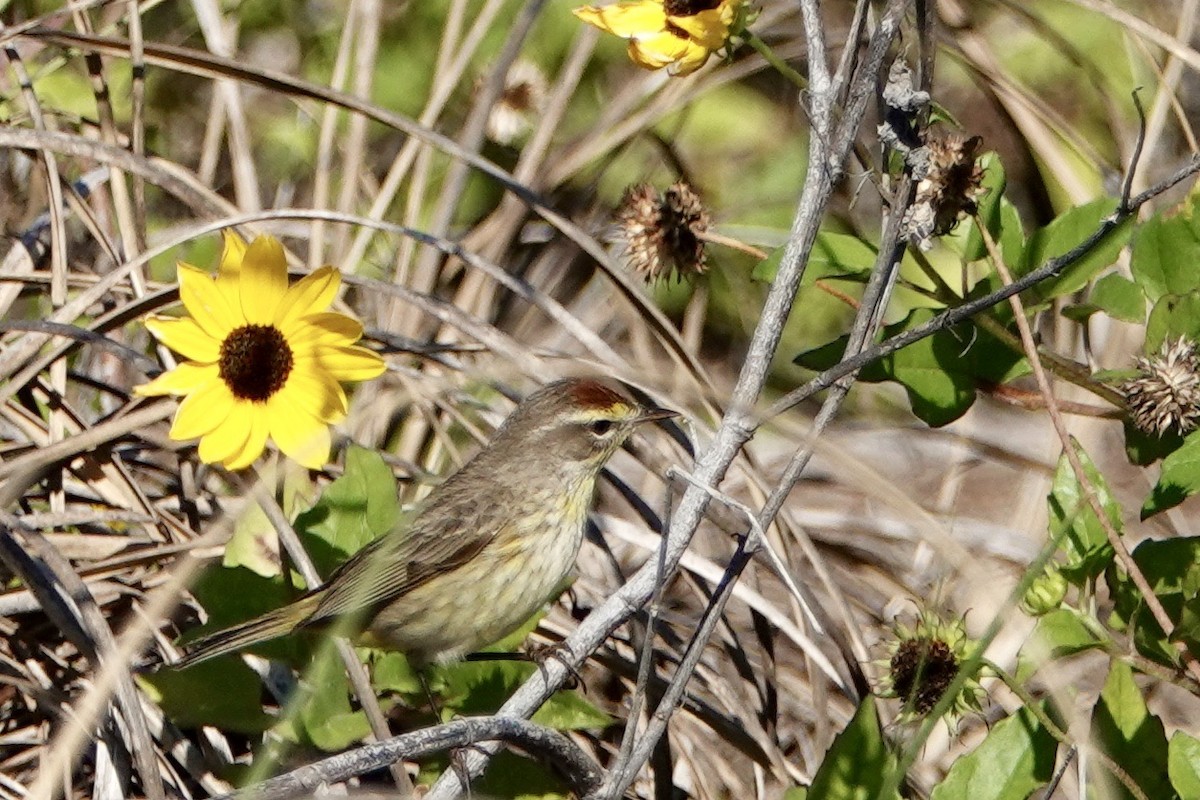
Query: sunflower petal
pixel 203 411
pixel 311 294
pixel 708 29
pixel 264 280
pixel 184 379
pixel 207 304
pixel 312 390
pixel 186 337
pixel 328 327
pixel 229 437
pixel 658 51
pixel 691 60
pixel 256 441
pixel 229 272
pixel 302 438
pixel 350 363
pixel 641 18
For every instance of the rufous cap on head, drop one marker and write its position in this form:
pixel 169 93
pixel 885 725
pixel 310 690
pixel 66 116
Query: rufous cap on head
pixel 589 393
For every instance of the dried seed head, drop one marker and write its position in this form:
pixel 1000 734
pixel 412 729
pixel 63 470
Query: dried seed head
pixel 1165 396
pixel 921 671
pixel 951 186
pixel 519 105
pixel 923 661
pixel 663 233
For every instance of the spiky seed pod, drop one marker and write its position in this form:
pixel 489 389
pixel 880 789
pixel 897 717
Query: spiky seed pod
pixel 663 232
pixel 1165 396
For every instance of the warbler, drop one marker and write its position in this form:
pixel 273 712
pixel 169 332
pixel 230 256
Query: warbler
pixel 486 549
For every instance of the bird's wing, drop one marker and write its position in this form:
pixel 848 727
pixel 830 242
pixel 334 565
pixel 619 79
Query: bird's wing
pixel 400 561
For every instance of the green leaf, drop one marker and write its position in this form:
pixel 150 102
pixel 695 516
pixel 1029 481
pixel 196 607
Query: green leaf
pixel 1063 633
pixel 1172 316
pixel 1183 765
pixel 1143 448
pixel 391 672
pixel 1000 216
pixel 1075 526
pixel 187 696
pixel 511 776
pixel 940 373
pixel 1063 235
pixel 480 687
pixel 1130 735
pixel 1178 480
pixel 1165 253
pixel 254 544
pixel 357 508
pixel 325 717
pixel 834 255
pixel 569 711
pixel 796 793
pixel 236 594
pixel 1015 759
pixel 858 761
pixel 1118 297
pixel 1172 567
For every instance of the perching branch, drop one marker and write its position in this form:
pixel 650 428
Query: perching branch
pixel 582 773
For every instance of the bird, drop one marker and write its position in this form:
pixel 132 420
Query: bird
pixel 486 549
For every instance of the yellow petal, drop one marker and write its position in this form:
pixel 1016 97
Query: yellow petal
pixel 657 52
pixel 184 379
pixel 313 391
pixel 691 60
pixel 263 280
pixel 256 441
pixel 311 294
pixel 350 363
pixel 229 437
pixel 202 411
pixel 233 252
pixel 328 327
pixel 185 337
pixel 641 18
pixel 207 304
pixel 708 29
pixel 230 271
pixel 302 438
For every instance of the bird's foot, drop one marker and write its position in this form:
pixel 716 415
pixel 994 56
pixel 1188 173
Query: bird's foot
pixel 559 651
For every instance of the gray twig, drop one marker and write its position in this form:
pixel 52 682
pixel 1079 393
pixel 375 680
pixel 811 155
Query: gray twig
pixel 575 765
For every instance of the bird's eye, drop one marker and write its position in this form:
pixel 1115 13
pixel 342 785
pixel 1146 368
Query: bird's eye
pixel 600 426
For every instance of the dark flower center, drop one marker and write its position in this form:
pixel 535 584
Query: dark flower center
pixel 921 671
pixel 255 362
pixel 688 8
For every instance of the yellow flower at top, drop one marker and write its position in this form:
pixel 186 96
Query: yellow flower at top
pixel 676 34
pixel 265 359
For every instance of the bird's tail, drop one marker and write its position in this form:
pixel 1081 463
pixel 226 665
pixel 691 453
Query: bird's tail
pixel 269 626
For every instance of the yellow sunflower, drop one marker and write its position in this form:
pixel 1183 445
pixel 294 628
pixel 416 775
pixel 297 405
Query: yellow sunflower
pixel 677 34
pixel 264 358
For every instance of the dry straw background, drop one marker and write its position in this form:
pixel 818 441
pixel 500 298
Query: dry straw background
pixel 356 132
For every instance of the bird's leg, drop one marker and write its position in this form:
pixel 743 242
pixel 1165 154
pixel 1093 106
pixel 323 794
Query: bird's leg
pixel 539 653
pixel 458 758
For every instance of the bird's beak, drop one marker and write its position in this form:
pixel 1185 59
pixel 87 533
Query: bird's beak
pixel 654 415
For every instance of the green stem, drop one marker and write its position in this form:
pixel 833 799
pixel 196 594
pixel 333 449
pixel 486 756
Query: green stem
pixel 775 61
